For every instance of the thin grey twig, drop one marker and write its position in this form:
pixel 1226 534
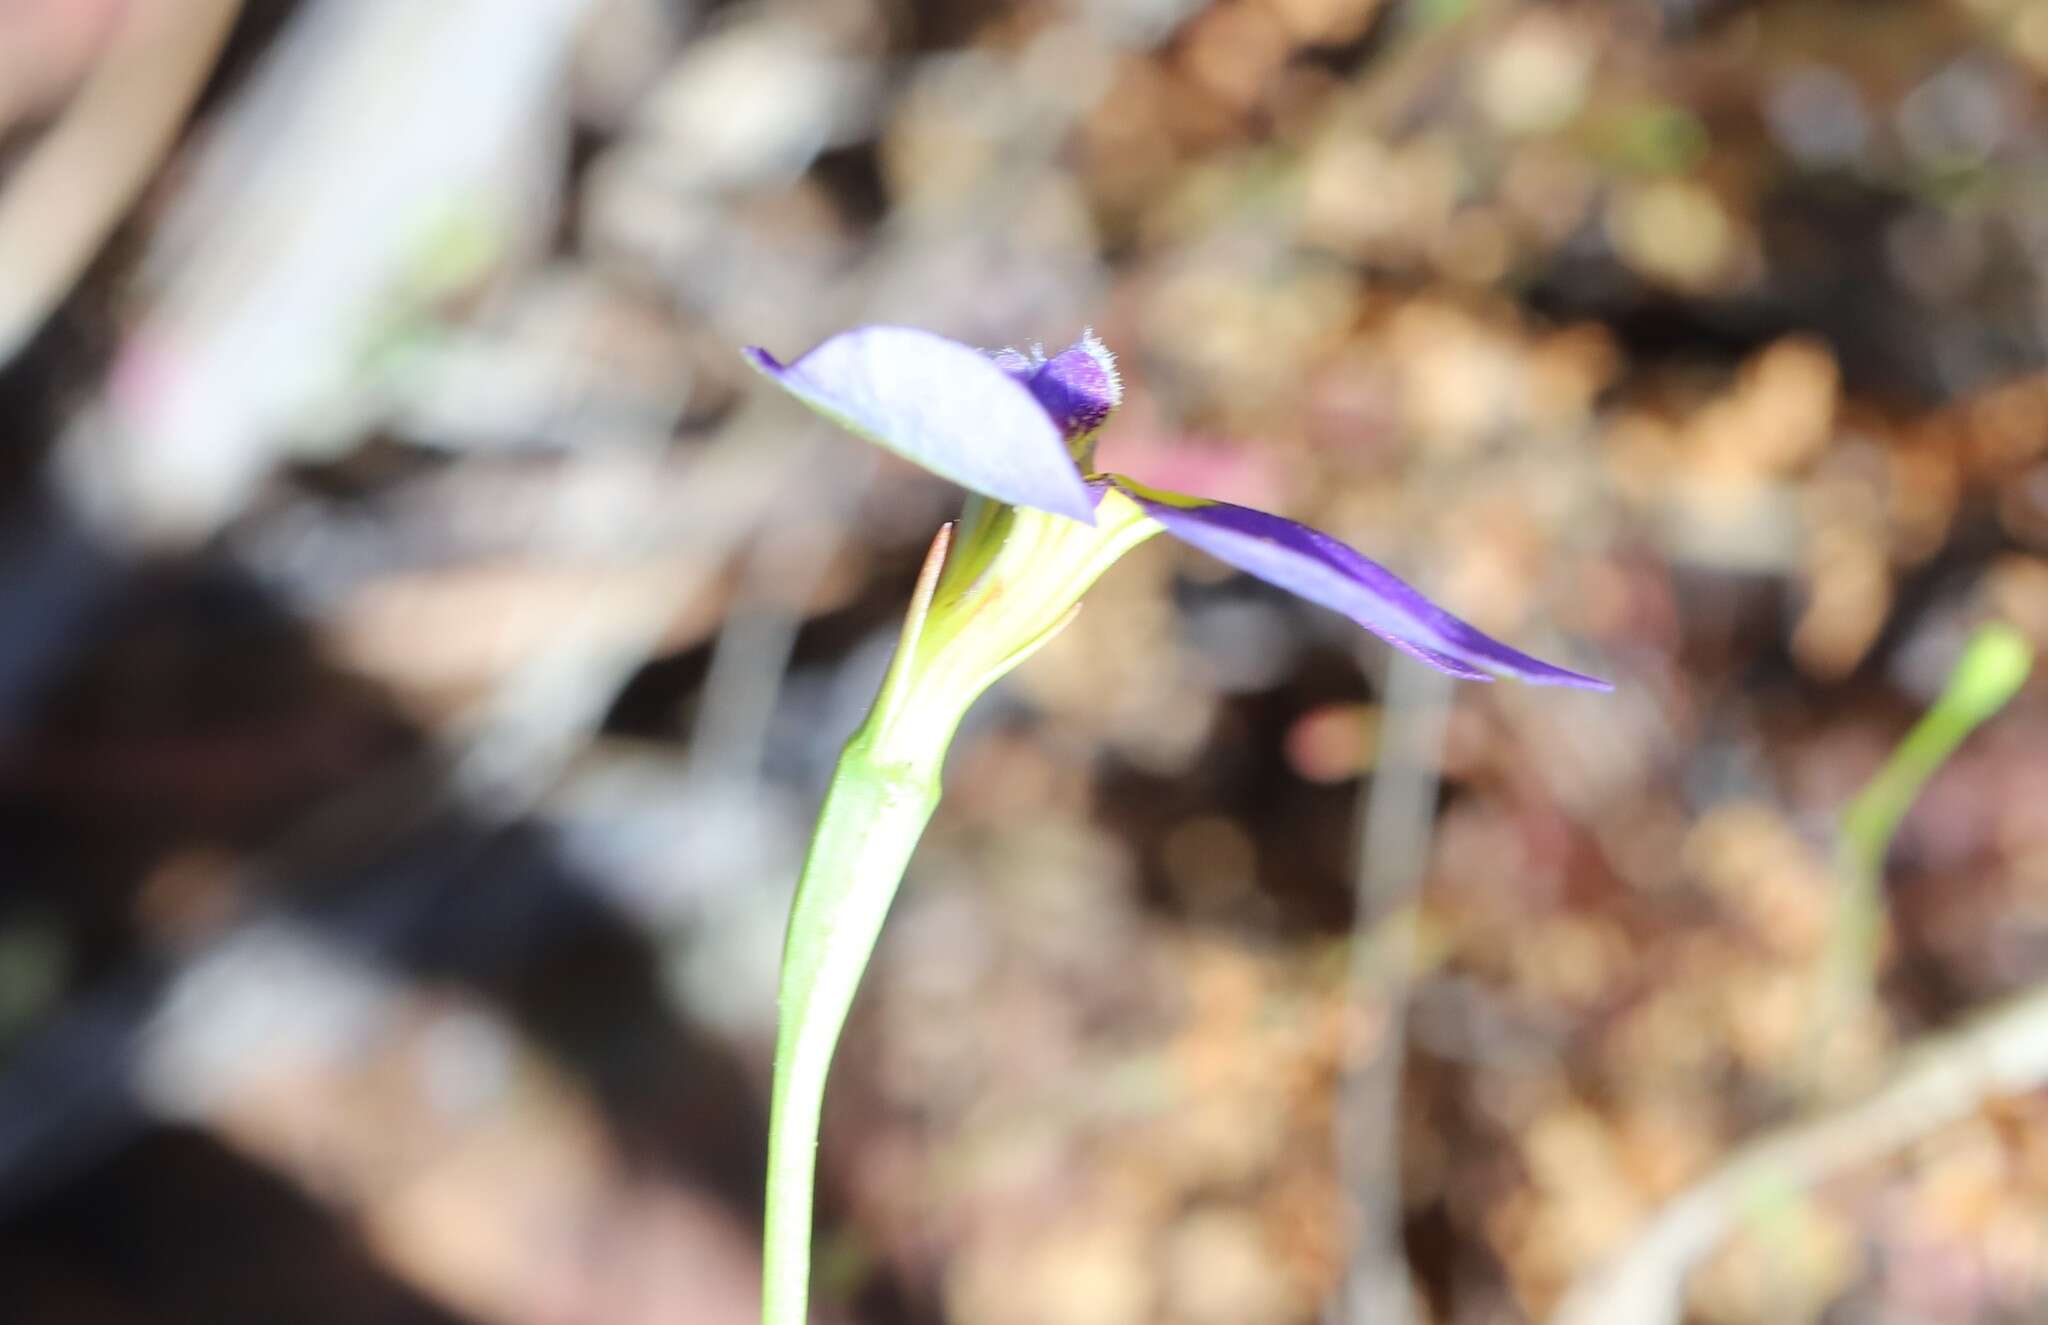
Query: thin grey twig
pixel 2003 1052
pixel 1398 809
pixel 752 653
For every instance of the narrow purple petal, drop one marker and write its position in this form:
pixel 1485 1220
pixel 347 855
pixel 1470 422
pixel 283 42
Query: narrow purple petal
pixel 941 405
pixel 1321 569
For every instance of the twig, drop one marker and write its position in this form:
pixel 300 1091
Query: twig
pixel 62 202
pixel 753 649
pixel 1392 854
pixel 2002 1052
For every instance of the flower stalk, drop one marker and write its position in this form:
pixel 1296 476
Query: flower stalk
pixel 878 805
pixel 989 596
pixel 882 794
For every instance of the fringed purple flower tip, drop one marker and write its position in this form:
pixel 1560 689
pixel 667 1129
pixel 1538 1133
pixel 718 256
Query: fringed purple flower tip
pixel 1078 387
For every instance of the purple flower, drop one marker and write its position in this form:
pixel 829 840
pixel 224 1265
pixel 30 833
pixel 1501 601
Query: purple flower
pixel 1020 428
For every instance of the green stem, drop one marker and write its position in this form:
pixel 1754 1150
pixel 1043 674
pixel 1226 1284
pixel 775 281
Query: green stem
pixel 873 816
pixel 1012 582
pixel 1994 665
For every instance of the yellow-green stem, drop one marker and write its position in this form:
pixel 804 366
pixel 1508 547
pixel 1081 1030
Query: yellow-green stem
pixel 1993 667
pixel 872 818
pixel 985 603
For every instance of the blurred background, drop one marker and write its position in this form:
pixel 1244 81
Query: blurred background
pixel 422 647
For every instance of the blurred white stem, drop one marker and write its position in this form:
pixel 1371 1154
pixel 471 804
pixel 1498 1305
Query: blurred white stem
pixel 1399 808
pixel 783 570
pixel 383 155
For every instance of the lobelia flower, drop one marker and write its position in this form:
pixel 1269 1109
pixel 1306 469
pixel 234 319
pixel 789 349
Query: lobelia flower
pixel 1020 429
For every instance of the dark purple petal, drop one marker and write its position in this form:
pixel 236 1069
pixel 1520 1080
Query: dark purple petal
pixel 1304 561
pixel 1078 386
pixel 942 405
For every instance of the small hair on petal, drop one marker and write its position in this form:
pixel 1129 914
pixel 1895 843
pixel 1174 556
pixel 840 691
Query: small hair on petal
pixel 1079 386
pixel 1094 347
pixel 1015 362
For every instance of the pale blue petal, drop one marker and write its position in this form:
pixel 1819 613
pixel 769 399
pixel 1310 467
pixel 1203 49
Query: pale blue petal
pixel 941 405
